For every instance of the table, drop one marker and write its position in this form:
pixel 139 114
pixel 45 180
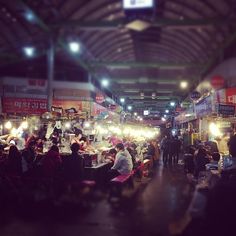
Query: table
pixel 97 172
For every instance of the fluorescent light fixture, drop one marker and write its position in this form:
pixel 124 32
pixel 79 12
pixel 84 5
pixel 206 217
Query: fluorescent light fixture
pixel 74 47
pixel 167 82
pixel 172 104
pixel 167 111
pixel 29 51
pixel 165 91
pixel 129 108
pixel 125 82
pixel 105 82
pixel 122 100
pixel 146 112
pixel 143 80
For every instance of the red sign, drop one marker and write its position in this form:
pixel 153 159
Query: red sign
pixel 217 82
pixel 68 104
pixel 230 94
pixel 35 106
pixel 24 105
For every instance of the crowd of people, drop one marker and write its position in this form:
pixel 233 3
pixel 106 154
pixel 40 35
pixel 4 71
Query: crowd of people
pixel 171 147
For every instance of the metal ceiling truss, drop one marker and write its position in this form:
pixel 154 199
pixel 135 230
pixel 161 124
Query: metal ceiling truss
pixel 145 65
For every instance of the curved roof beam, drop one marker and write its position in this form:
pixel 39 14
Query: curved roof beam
pixel 102 40
pixel 184 37
pixel 156 52
pixel 129 55
pixel 176 42
pixel 175 53
pixel 117 43
pixel 111 52
pixel 217 30
pixel 178 52
pixel 119 46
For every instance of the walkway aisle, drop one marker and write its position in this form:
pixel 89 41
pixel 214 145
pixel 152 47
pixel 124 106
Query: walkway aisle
pixel 163 200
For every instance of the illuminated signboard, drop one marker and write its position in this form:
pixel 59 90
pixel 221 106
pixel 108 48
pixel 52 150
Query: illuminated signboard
pixel 137 4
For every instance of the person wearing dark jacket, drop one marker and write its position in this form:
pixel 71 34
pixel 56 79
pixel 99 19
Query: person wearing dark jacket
pixel 51 162
pixel 232 146
pixel 14 167
pixel 201 159
pixel 74 165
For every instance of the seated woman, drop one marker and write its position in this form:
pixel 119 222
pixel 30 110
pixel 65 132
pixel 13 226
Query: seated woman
pixel 51 162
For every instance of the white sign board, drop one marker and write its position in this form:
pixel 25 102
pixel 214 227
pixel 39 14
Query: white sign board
pixel 137 4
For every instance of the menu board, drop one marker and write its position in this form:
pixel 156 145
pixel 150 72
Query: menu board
pixel 228 110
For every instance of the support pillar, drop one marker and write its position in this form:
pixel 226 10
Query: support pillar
pixel 50 75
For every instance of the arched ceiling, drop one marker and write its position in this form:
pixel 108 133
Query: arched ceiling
pixel 185 39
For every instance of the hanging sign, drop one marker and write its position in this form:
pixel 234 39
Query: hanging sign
pixel 24 105
pixel 195 95
pixel 57 109
pixel 217 82
pixel 204 107
pixel 228 110
pixel 71 111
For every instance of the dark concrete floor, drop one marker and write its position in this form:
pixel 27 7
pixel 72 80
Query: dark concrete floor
pixel 147 210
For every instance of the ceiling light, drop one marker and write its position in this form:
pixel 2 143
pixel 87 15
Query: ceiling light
pixel 167 111
pixel 29 16
pixel 122 100
pixel 105 82
pixel 8 125
pixel 135 113
pixel 29 51
pixel 74 47
pixel 129 108
pixel 183 84
pixel 138 25
pixel 172 104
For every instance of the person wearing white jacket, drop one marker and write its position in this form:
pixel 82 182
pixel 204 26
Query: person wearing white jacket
pixel 123 164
